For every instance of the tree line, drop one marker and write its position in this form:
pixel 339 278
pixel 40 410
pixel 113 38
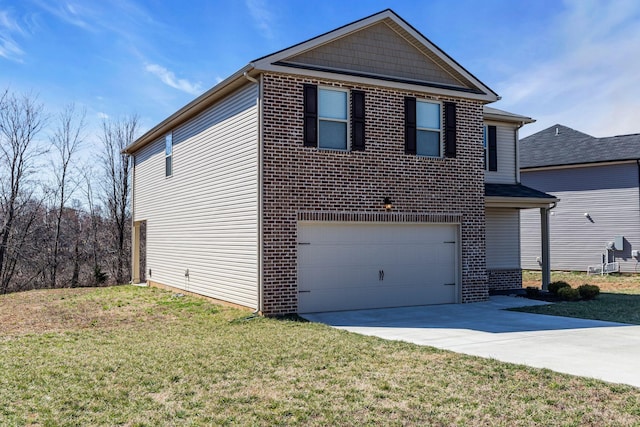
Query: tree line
pixel 65 215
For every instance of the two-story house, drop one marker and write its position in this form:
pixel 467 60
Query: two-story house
pixel 345 172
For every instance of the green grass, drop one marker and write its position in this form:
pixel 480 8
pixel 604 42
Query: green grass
pixel 620 301
pixel 611 307
pixel 137 357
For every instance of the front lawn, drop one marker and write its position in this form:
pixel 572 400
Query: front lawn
pixel 619 302
pixel 137 356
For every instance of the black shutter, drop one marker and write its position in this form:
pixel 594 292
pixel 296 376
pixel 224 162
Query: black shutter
pixel 310 116
pixel 492 145
pixel 357 120
pixel 410 125
pixel 450 129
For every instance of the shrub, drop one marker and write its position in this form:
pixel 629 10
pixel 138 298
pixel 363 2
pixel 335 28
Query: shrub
pixel 567 293
pixel 589 291
pixel 532 291
pixel 554 287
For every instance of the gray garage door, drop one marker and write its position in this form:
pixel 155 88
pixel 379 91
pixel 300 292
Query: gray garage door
pixel 349 266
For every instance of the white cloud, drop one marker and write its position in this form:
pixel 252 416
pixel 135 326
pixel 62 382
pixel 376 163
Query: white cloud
pixel 68 12
pixel 102 116
pixel 9 48
pixel 169 78
pixel 262 16
pixel 590 80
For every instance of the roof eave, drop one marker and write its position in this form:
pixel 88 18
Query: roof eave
pixel 508 118
pixel 191 109
pixel 519 202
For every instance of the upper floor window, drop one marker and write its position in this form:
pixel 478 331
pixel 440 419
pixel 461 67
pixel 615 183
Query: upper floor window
pixel 490 140
pixel 327 118
pixel 168 154
pixel 428 129
pixel 332 119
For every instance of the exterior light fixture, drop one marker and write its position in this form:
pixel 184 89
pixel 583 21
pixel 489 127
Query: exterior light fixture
pixel 388 204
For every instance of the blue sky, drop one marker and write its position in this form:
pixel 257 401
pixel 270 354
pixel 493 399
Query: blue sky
pixel 571 62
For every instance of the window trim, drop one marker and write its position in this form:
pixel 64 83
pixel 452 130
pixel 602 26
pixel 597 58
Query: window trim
pixel 346 121
pixel 440 130
pixel 168 157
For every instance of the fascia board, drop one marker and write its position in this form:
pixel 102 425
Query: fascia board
pixel 518 202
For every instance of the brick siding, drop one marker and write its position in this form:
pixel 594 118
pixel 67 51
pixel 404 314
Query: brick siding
pixel 298 179
pixel 504 279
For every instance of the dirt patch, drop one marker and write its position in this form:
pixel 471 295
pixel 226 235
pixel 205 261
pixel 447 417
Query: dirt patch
pixel 59 310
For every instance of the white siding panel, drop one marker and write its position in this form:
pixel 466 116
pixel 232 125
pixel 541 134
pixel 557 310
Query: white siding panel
pixel 205 217
pixel 608 193
pixel 502 238
pixel 506 145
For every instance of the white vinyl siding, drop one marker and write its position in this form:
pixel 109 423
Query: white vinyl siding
pixel 205 218
pixel 506 147
pixel 502 238
pixel 608 193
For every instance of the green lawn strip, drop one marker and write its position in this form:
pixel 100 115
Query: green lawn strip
pixel 183 361
pixel 611 307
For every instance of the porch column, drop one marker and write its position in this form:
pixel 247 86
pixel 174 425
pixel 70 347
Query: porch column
pixel 135 253
pixel 546 264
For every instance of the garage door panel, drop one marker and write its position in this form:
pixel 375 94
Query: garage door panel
pixel 339 265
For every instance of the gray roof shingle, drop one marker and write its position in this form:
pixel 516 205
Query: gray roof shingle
pixel 514 190
pixel 560 145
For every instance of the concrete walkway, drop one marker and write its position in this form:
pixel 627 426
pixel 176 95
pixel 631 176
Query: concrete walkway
pixel 589 348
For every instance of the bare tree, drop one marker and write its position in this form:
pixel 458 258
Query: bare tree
pixel 65 141
pixel 21 120
pixel 115 137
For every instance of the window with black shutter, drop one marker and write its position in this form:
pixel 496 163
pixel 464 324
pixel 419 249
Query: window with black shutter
pixel 357 120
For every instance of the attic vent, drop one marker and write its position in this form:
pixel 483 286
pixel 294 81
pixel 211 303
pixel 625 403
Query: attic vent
pixel 557 131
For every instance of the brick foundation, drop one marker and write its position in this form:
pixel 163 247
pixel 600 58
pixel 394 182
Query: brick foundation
pixel 504 279
pixel 298 180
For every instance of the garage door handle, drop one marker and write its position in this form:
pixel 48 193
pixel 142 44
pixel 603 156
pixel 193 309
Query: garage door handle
pixel 449 284
pixel 381 275
pixel 303 292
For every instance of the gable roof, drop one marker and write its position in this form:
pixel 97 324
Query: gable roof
pixel 384 47
pixel 341 52
pixel 560 145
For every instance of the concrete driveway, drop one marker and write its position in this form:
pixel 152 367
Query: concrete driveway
pixel 589 348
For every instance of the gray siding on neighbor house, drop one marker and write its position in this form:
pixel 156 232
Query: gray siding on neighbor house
pixel 502 238
pixel 506 145
pixel 204 218
pixel 608 193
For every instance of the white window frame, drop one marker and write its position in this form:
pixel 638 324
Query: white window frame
pixel 328 119
pixel 168 155
pixel 439 130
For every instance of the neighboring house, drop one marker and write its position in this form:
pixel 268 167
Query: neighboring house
pixel 598 183
pixel 344 172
